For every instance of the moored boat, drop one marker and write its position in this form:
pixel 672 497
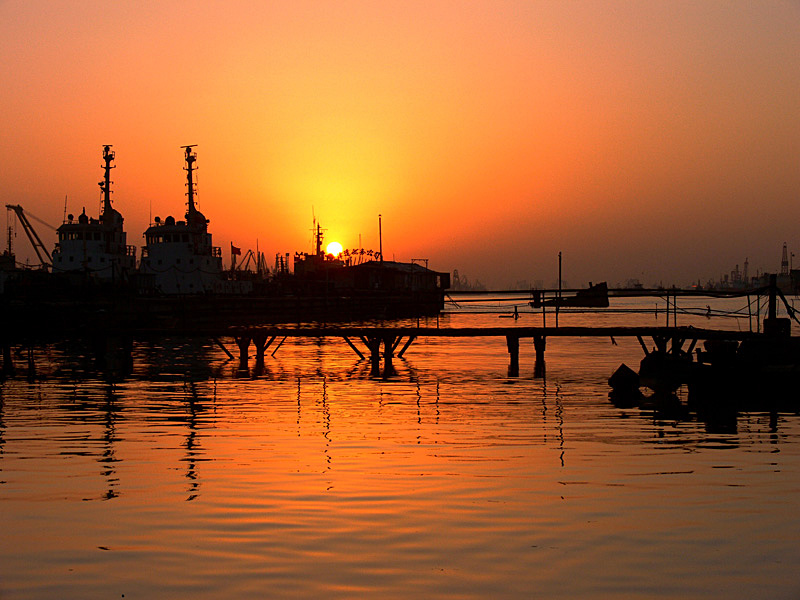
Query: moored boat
pixel 96 247
pixel 179 256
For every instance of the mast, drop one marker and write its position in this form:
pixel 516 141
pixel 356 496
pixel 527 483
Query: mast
pixel 785 261
pixel 318 241
pixel 105 185
pixel 191 157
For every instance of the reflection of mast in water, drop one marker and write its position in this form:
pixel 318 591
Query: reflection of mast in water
pixel 560 422
pixel 2 432
pixel 544 413
pixel 108 458
pixel 298 407
pixel 419 414
pixel 191 443
pixel 326 412
pixel 437 404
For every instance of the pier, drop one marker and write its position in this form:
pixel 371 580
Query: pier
pixel 112 330
pixel 380 344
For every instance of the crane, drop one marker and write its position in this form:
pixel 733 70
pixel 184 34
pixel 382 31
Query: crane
pixel 36 241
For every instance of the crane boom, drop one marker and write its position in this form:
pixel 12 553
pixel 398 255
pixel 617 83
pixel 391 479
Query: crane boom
pixel 36 242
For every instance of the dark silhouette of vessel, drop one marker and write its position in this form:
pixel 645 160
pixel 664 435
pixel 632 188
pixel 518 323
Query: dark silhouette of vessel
pixel 595 296
pixel 92 281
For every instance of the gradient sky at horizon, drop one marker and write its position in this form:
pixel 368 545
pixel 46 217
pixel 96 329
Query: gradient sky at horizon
pixel 649 140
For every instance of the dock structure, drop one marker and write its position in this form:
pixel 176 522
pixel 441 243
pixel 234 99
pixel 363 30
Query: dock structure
pixel 380 344
pixel 114 331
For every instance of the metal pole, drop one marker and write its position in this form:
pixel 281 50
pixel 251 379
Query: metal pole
pixel 558 300
pixel 749 313
pixel 380 238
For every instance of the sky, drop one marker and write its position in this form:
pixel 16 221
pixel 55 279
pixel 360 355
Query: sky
pixel 657 141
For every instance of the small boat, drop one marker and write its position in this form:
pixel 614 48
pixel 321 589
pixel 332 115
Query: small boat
pixel 595 296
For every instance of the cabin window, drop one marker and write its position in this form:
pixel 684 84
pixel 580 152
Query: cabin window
pixel 102 259
pixel 159 261
pixel 89 259
pixel 178 261
pixel 71 259
pixel 185 237
pixel 191 261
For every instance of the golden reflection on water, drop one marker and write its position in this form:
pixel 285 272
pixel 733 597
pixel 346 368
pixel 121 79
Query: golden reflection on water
pixel 447 480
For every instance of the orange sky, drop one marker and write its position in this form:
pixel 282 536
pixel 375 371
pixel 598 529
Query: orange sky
pixel 656 140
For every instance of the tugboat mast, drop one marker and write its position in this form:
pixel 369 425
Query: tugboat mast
pixel 105 185
pixel 318 241
pixel 191 157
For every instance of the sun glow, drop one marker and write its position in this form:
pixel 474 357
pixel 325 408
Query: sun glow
pixel 334 248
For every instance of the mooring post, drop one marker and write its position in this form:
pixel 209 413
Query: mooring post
pixel 512 342
pixel 539 344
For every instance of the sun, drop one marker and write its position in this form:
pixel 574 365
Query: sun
pixel 334 248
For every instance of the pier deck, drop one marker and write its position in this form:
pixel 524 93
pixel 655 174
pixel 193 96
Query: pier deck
pixel 665 339
pixel 687 333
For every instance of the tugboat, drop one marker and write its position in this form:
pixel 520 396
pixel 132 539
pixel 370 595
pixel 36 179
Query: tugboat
pixel 179 255
pixel 96 247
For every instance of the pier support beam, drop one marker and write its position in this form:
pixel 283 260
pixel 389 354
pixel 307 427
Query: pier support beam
pixel 260 342
pixel 374 345
pixel 243 343
pixel 388 354
pixel 539 344
pixel 512 342
pixel 224 349
pixel 353 346
pixel 409 341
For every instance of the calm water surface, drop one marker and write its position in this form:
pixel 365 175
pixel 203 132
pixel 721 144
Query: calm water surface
pixel 448 480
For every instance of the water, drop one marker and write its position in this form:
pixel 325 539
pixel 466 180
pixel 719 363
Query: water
pixel 448 480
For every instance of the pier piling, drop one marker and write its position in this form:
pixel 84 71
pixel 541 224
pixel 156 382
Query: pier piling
pixel 388 353
pixel 243 343
pixel 539 344
pixel 512 341
pixel 260 342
